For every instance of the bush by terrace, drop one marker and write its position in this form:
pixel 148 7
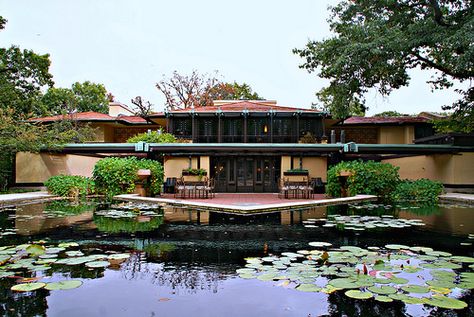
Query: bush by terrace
pixel 422 191
pixel 370 178
pixel 114 176
pixel 70 185
pixel 381 179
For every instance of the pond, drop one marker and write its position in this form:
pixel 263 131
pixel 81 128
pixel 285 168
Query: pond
pixel 124 259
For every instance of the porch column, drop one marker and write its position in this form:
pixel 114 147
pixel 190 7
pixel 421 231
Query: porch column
pixel 297 127
pixel 219 128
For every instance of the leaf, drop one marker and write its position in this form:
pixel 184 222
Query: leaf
pixel 63 285
pixel 27 287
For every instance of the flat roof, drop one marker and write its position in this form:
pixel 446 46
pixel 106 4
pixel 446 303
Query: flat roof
pixel 258 148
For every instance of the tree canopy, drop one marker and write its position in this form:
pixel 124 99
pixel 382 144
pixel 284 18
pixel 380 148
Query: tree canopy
pixel 377 42
pixel 198 90
pixel 23 74
pixel 80 97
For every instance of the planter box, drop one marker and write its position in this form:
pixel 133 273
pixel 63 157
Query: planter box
pixel 296 173
pixel 188 173
pixel 345 173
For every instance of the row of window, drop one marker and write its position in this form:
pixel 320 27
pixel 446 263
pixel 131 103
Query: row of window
pixel 256 127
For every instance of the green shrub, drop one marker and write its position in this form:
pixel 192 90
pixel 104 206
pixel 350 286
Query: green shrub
pixel 70 185
pixel 153 137
pixel 422 191
pixel 114 175
pixel 371 178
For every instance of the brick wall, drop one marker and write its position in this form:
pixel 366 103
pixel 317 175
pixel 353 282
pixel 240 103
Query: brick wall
pixel 365 135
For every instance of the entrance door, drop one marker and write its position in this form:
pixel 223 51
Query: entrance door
pixel 246 175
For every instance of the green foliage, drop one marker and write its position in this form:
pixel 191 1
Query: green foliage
pixel 70 185
pixel 23 74
pixel 296 171
pixel 64 208
pixel 421 191
pixel 195 171
pixel 390 114
pixel 117 225
pixel 376 43
pixel 81 97
pixel 91 97
pixel 233 91
pixel 153 137
pixel 370 178
pixel 114 175
pixel 462 119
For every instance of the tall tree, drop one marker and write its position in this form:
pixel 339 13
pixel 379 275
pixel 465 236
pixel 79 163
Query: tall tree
pixel 23 74
pixel 376 42
pixel 183 91
pixel 91 97
pixel 196 90
pixel 233 91
pixel 81 97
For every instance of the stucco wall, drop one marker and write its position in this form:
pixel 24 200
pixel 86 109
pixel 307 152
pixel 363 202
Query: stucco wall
pixel 396 135
pixel 173 166
pixel 37 168
pixel 446 168
pixel 316 166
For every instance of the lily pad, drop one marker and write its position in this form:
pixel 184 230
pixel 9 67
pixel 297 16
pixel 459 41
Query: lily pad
pixel 445 302
pixel 382 290
pixel 97 264
pixel 358 294
pixel 462 259
pixel 320 244
pixel 68 245
pixel 343 283
pixel 27 287
pixel 383 299
pixel 35 249
pixel 418 289
pixel 63 285
pixel 308 288
pixel 397 246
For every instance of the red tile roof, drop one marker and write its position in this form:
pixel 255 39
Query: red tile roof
pixel 241 105
pixel 385 120
pixel 91 116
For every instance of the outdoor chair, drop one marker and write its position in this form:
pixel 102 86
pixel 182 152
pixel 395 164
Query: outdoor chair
pixel 282 188
pixel 179 189
pixel 318 185
pixel 169 185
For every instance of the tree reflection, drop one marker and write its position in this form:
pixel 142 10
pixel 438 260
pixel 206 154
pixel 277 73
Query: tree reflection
pixel 189 279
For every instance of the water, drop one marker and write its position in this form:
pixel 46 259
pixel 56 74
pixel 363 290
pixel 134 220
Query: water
pixel 183 262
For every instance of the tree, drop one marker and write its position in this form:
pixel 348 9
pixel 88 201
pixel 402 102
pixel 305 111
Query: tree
pixel 23 74
pixel 196 90
pixel 377 42
pixel 91 97
pixel 390 114
pixel 81 97
pixel 233 91
pixel 59 100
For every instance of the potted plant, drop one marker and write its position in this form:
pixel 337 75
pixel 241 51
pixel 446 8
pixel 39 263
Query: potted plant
pixel 199 172
pixel 296 171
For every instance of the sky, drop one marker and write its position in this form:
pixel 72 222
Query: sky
pixel 130 45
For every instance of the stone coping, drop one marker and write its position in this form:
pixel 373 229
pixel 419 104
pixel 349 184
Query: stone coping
pixel 307 203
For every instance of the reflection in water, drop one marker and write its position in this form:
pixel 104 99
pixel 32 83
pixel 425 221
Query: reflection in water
pixel 195 253
pixel 177 278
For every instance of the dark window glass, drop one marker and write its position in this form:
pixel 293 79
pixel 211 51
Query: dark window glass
pixel 423 131
pixel 182 127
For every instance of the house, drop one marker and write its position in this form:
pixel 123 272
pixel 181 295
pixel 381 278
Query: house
pixel 385 130
pixel 247 146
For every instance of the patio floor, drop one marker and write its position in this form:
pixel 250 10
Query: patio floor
pixel 246 202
